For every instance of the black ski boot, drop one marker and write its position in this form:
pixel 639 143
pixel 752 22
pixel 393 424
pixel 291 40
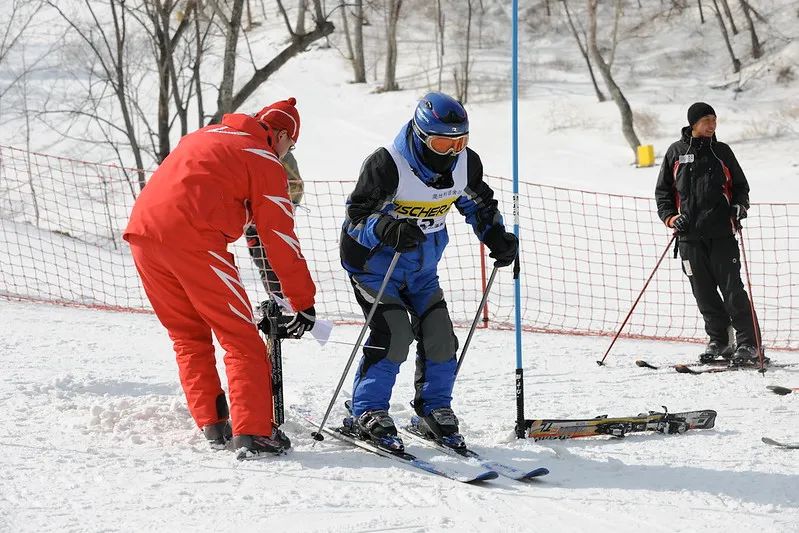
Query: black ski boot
pixel 257 446
pixel 440 425
pixel 714 351
pixel 747 355
pixel 378 427
pixel 218 434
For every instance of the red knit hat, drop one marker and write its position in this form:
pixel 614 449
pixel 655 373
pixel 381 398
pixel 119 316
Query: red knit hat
pixel 282 115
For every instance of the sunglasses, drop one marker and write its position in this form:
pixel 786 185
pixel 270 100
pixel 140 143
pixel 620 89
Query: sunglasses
pixel 441 144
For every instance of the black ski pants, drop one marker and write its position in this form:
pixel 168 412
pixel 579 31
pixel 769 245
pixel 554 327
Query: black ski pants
pixel 713 266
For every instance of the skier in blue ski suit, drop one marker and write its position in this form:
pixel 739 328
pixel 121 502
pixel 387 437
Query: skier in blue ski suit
pixel 400 203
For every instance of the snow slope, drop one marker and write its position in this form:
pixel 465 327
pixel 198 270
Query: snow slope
pixel 96 437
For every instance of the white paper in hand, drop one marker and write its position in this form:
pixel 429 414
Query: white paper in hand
pixel 321 330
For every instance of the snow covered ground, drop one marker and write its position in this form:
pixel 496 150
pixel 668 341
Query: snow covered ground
pixel 95 436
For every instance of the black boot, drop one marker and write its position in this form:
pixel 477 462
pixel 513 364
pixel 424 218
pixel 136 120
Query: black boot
pixel 746 354
pixel 441 425
pixel 218 434
pixel 378 426
pixel 257 446
pixel 715 350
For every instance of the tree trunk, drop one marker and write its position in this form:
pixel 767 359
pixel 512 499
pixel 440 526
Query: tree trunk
pixel 224 100
pixel 701 13
pixel 195 69
pixel 736 63
pixel 600 97
pixel 757 51
pixel 440 25
pixel 302 9
pixel 359 59
pixel 347 37
pixel 727 12
pixel 464 97
pixel 390 77
pixel 615 91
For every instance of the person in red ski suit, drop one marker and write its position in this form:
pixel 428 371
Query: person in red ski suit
pixel 218 180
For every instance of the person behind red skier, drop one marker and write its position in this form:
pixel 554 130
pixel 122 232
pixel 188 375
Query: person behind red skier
pixel 218 180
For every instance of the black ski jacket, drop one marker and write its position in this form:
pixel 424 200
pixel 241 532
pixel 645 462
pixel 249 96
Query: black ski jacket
pixel 701 178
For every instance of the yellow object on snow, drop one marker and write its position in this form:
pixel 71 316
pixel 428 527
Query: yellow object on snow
pixel 646 155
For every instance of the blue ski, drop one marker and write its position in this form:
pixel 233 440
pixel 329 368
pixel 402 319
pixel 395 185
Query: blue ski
pixel 500 468
pixel 443 470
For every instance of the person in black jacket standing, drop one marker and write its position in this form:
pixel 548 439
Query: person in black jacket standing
pixel 702 194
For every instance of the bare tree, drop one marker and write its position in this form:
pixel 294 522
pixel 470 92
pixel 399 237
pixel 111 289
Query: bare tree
pixel 440 38
pixel 359 59
pixel 231 22
pixel 110 51
pixel 462 88
pixel 727 12
pixel 297 44
pixel 757 51
pixel 736 63
pixel 302 9
pixel 355 51
pixel 163 39
pixel 17 22
pixel 393 8
pixel 701 13
pixel 615 91
pixel 583 51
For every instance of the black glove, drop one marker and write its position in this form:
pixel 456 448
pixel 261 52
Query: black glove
pixel 680 223
pixel 504 246
pixel 302 322
pixel 738 212
pixel 402 234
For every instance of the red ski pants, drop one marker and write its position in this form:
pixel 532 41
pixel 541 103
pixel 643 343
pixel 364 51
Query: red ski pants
pixel 194 292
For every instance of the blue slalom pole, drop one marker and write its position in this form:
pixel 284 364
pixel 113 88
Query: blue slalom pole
pixel 517 289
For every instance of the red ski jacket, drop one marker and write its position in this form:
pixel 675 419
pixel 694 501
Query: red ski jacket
pixel 217 180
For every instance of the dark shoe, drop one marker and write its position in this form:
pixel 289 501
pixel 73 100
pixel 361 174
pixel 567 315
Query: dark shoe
pixel 746 354
pixel 376 424
pixel 715 350
pixel 218 434
pixel 256 446
pixel 441 425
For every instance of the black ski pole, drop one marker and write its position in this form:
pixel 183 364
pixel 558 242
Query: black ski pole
pixel 476 319
pixel 275 319
pixel 602 362
pixel 755 325
pixel 317 435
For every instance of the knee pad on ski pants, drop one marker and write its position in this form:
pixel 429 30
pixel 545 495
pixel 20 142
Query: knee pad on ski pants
pixel 400 334
pixel 438 342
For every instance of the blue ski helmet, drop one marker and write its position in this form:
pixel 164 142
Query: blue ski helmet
pixel 440 114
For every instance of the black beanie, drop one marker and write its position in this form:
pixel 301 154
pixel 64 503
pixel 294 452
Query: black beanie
pixel 697 111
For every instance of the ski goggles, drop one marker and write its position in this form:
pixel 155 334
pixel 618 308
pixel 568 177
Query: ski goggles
pixel 441 144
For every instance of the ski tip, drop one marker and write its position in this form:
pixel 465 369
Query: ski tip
pixel 488 475
pixel 644 364
pixel 538 472
pixel 776 389
pixel 684 369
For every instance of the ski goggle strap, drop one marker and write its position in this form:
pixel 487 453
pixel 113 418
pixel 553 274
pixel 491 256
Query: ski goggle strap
pixel 441 144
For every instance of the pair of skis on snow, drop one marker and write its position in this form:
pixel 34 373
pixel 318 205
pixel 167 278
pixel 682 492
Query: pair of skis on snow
pixel 481 468
pixel 713 367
